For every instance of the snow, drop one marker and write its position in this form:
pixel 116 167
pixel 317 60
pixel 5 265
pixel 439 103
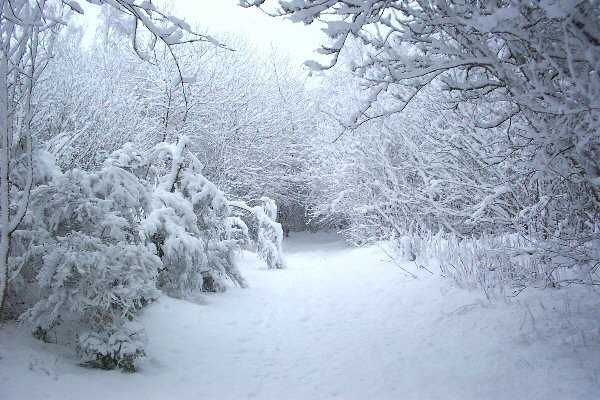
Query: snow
pixel 339 322
pixel 75 7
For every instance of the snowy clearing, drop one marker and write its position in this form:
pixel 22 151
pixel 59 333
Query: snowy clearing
pixel 340 322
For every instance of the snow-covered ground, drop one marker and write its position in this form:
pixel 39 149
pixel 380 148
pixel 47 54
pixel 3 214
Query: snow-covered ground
pixel 340 322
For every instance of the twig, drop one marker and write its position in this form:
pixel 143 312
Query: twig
pixel 422 266
pixel 396 262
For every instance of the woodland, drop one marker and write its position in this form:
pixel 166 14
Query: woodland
pixel 462 136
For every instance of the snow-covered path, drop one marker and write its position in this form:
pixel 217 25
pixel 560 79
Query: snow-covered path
pixel 340 322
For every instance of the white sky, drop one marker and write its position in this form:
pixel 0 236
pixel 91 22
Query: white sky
pixel 226 16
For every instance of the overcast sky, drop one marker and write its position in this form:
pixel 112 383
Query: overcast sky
pixel 226 16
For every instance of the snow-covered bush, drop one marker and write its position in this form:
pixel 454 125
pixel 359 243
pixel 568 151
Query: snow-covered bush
pixel 189 225
pixel 264 232
pixel 501 261
pixel 491 262
pixel 27 244
pixel 97 246
pixel 93 268
pixel 270 234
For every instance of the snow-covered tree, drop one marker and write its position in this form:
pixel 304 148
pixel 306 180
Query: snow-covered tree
pixel 244 114
pixel 81 121
pixel 527 70
pixel 92 267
